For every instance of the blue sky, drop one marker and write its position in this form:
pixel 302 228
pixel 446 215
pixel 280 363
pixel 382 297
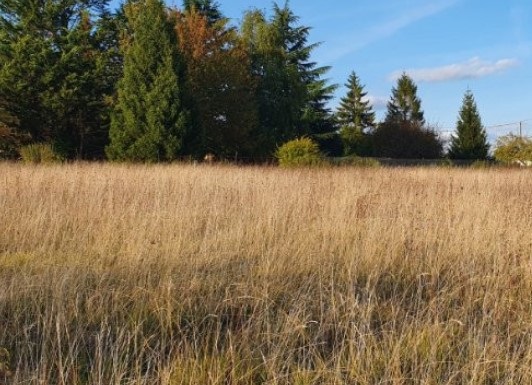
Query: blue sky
pixel 447 46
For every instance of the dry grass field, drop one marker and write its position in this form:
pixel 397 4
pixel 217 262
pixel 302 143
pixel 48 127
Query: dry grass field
pixel 200 275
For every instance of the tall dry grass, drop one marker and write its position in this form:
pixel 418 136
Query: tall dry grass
pixel 181 274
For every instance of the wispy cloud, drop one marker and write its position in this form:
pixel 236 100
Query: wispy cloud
pixel 470 69
pixel 385 29
pixel 405 19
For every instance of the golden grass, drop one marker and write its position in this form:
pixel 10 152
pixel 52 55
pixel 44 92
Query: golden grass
pixel 182 274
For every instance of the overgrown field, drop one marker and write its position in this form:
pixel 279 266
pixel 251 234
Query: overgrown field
pixel 182 274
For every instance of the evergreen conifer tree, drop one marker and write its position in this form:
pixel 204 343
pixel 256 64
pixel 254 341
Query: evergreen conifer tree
pixel 355 116
pixel 149 121
pixel 57 67
pixel 291 93
pixel 470 138
pixel 404 105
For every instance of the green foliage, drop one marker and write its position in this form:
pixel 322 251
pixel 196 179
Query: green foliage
pixel 299 152
pixel 58 66
pixel 511 148
pixel 406 140
pixel 404 105
pixel 470 140
pixel 291 94
pixel 355 117
pixel 39 153
pixel 149 120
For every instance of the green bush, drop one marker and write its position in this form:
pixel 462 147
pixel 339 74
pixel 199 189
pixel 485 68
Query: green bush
pixel 406 140
pixel 39 153
pixel 299 152
pixel 510 149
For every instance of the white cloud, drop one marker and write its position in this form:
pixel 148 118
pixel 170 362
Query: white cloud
pixel 470 69
pixel 377 102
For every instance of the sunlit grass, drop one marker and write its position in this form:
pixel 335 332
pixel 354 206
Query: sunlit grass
pixel 182 274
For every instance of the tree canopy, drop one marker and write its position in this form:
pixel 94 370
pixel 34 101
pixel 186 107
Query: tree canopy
pixel 149 83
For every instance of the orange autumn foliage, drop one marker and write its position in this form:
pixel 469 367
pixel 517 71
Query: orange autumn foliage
pixel 219 84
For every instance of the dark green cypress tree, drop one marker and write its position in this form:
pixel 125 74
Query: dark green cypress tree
pixel 355 116
pixel 149 121
pixel 404 105
pixel 470 139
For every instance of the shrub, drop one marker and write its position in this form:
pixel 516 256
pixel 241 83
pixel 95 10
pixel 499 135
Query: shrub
pixel 299 152
pixel 39 153
pixel 510 149
pixel 406 140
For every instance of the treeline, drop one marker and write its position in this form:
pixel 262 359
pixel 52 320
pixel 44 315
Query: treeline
pixel 150 83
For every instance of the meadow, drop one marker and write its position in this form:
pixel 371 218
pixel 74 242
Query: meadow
pixel 211 274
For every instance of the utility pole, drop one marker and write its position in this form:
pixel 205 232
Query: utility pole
pixel 521 129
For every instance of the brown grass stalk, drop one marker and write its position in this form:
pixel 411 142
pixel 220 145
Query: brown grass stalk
pixel 183 274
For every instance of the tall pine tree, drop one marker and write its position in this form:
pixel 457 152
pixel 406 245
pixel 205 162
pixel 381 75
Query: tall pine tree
pixel 355 116
pixel 470 139
pixel 404 104
pixel 149 121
